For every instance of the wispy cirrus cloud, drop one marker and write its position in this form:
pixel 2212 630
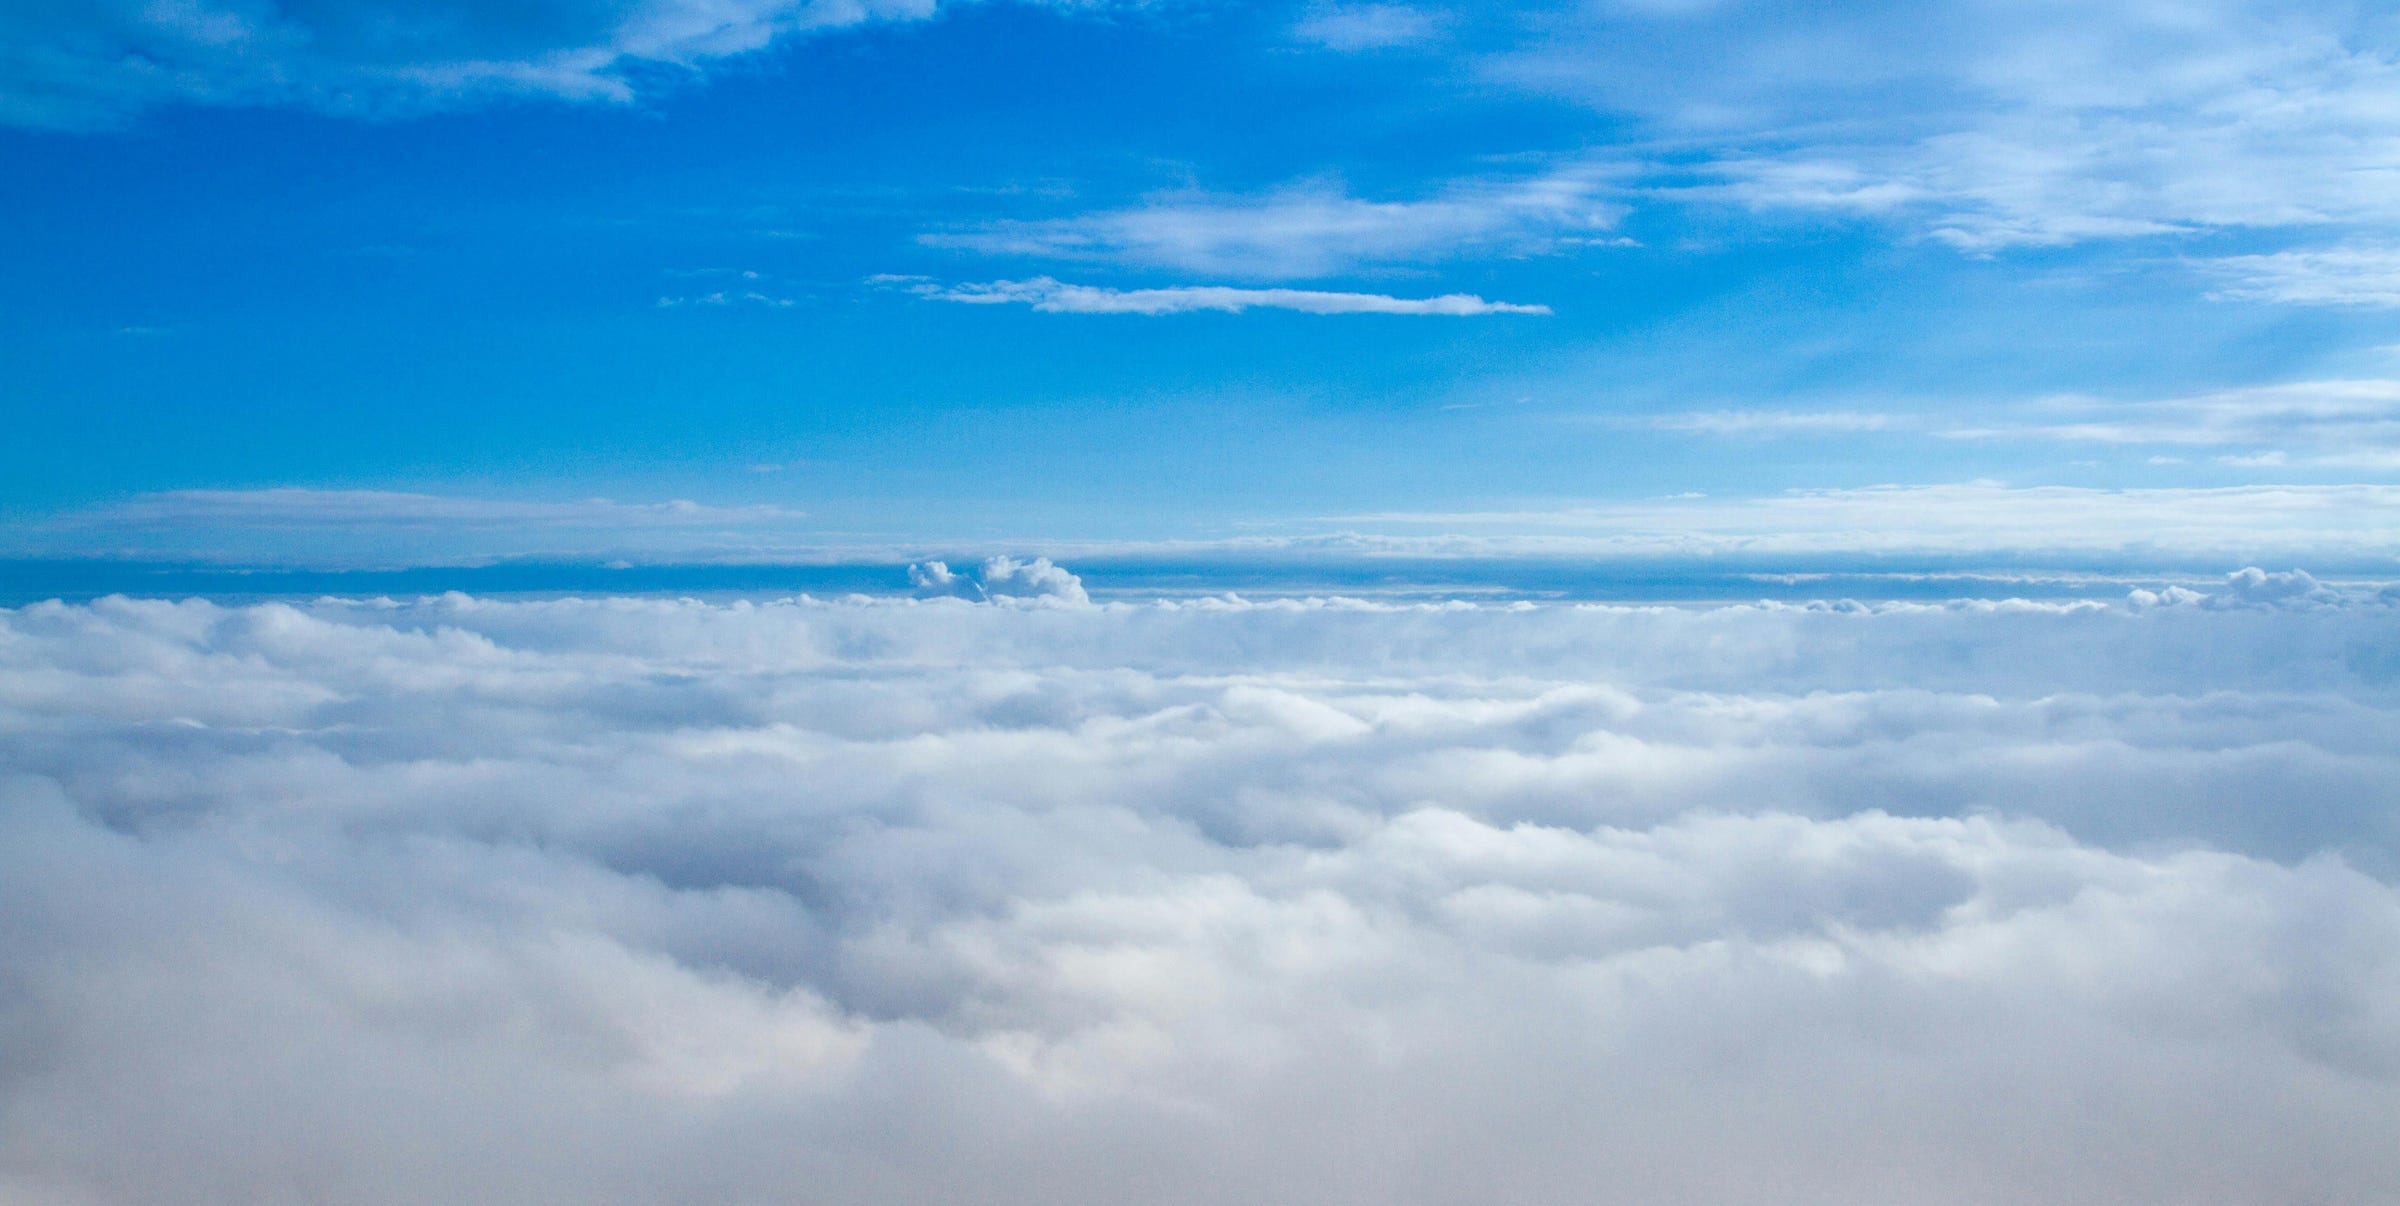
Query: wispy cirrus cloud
pixel 1992 128
pixel 1359 27
pixel 1978 518
pixel 1054 297
pixel 732 287
pixel 83 65
pixel 726 297
pixel 303 507
pixel 1775 422
pixel 2333 417
pixel 349 528
pixel 2346 275
pixel 2332 422
pixel 1318 229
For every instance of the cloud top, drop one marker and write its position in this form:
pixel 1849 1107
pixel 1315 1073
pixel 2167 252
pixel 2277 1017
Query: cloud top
pixel 635 901
pixel 997 579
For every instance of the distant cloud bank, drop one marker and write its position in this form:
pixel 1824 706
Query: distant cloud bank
pixel 2131 530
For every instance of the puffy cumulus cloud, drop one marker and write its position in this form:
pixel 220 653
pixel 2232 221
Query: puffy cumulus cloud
pixel 2251 586
pixel 78 63
pixel 636 901
pixel 999 579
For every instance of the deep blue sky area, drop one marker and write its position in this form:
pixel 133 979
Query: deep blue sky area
pixel 1572 278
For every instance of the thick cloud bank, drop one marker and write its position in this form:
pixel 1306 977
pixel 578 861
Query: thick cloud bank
pixel 639 901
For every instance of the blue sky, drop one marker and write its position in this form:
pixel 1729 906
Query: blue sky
pixel 380 282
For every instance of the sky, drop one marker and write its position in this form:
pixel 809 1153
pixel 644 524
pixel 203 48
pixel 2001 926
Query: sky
pixel 640 602
pixel 363 283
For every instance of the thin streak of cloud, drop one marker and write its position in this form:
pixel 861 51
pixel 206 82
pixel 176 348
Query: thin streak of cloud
pixel 1963 518
pixel 2364 276
pixel 723 298
pixel 1051 296
pixel 1776 422
pixel 1319 229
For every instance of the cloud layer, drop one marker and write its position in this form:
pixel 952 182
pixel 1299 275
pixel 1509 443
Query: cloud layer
pixel 647 901
pixel 2132 530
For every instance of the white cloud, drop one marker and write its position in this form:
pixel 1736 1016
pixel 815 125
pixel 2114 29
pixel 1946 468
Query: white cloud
pixel 1997 126
pixel 1054 297
pixel 2337 418
pixel 383 527
pixel 96 64
pixel 999 578
pixel 723 297
pixel 1986 518
pixel 1775 422
pixel 2332 276
pixel 2335 422
pixel 623 901
pixel 2132 529
pixel 1357 27
pixel 1318 229
pixel 289 506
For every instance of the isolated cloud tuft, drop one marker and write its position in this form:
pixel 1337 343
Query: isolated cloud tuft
pixel 2253 585
pixel 999 578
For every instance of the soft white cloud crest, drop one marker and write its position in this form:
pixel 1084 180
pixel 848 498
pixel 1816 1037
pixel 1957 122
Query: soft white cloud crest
pixel 999 578
pixel 645 901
